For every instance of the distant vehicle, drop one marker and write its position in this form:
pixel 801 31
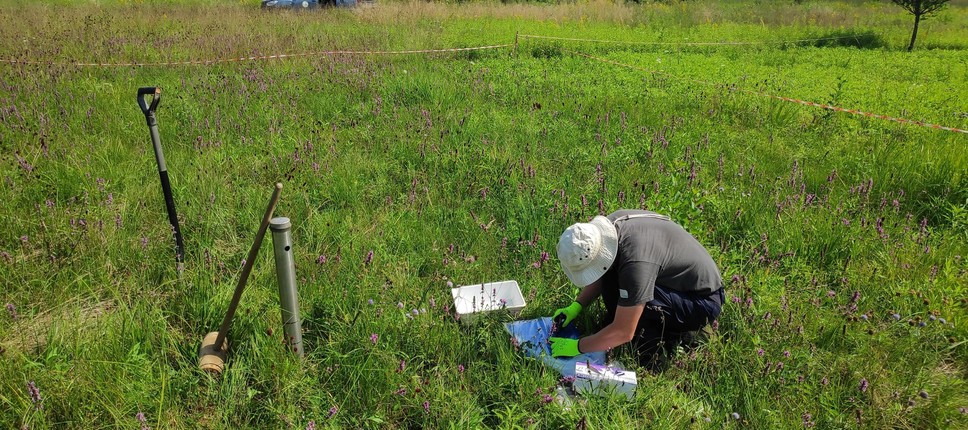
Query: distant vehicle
pixel 305 4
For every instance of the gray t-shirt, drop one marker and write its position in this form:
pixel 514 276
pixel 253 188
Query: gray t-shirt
pixel 658 252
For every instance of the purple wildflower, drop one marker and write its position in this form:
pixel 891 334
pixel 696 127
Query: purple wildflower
pixel 369 258
pixel 415 311
pixel 923 394
pixel 735 415
pixel 547 398
pixel 23 163
pixel 786 354
pixel 12 310
pixel 760 352
pixel 460 368
pixel 426 406
pixel 401 392
pixel 403 366
pixel 141 419
pixel 369 302
pixel 24 238
pixel 897 317
pixel 400 305
pixel 374 337
pixel 808 420
pixel 332 411
pixel 824 381
pixel 863 385
pixel 321 260
pixel 35 395
pixel 311 425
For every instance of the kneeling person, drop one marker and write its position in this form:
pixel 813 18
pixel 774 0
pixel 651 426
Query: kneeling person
pixel 657 282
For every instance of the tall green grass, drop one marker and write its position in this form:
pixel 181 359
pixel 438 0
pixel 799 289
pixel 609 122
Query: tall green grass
pixel 841 238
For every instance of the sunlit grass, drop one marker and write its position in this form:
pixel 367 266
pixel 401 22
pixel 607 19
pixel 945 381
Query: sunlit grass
pixel 841 238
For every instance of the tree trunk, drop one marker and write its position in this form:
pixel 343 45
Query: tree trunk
pixel 914 34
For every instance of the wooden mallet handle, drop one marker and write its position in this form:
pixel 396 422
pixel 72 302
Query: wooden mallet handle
pixel 247 267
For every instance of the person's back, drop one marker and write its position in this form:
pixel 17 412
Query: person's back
pixel 682 263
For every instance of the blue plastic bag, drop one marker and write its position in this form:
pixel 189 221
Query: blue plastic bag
pixel 532 337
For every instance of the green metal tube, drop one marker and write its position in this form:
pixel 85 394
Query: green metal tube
pixel 286 275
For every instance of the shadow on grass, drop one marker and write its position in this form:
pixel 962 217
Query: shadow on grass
pixel 546 51
pixel 836 39
pixel 317 325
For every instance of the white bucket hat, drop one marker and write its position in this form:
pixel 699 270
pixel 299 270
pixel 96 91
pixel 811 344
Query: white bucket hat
pixel 587 250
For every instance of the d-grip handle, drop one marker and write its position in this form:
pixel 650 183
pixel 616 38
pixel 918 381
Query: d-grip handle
pixel 149 110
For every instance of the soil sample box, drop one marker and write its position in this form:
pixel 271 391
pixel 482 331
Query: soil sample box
pixel 604 380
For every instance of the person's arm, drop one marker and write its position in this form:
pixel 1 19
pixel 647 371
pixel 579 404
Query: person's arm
pixel 620 331
pixel 589 293
pixel 565 315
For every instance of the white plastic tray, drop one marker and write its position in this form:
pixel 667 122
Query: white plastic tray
pixel 490 296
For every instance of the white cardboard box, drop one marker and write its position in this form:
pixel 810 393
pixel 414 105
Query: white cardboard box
pixel 602 380
pixel 486 297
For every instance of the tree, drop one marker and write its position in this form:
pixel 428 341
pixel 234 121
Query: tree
pixel 919 8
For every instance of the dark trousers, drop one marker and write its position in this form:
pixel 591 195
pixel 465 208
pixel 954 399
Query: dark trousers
pixel 667 319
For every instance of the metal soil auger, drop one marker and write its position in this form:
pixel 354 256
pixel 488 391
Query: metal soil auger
pixel 211 355
pixel 286 275
pixel 149 111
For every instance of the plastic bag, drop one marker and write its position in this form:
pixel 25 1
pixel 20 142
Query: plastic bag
pixel 532 337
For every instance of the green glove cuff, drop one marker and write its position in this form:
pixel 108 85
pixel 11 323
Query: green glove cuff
pixel 574 308
pixel 570 312
pixel 564 347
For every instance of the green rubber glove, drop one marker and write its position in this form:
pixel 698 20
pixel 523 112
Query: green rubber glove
pixel 564 347
pixel 569 312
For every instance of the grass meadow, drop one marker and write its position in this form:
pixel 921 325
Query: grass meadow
pixel 842 239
